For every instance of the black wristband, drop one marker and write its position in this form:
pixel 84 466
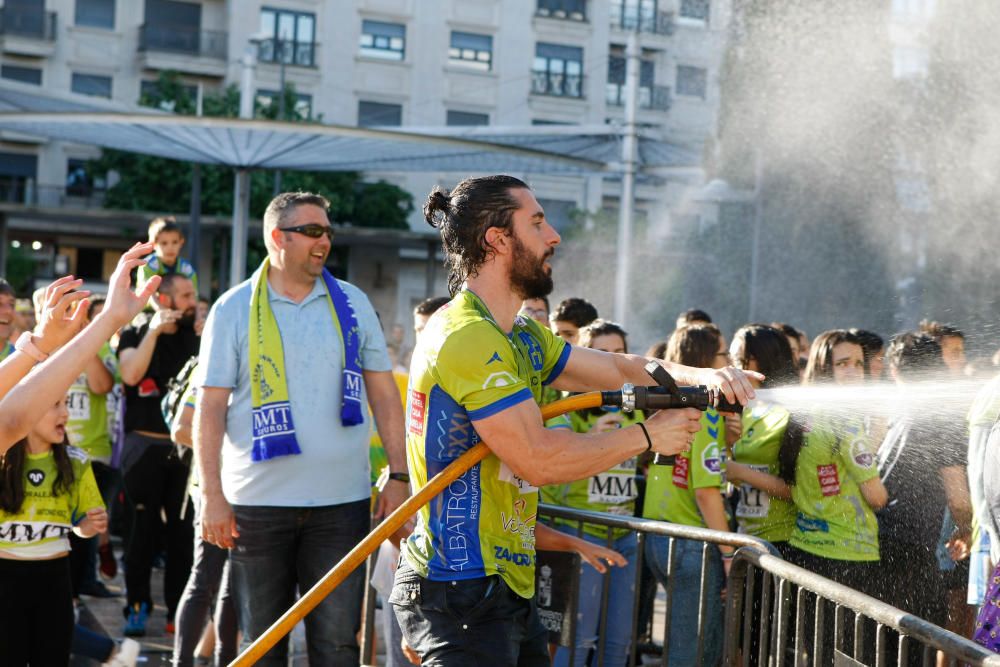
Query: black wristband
pixel 649 441
pixel 400 477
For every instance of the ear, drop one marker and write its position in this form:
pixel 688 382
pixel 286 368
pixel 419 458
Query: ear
pixel 498 240
pixel 162 300
pixel 276 237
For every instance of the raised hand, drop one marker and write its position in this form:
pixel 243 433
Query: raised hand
pixel 64 312
pixel 124 303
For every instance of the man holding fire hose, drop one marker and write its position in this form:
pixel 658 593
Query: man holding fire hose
pixel 464 589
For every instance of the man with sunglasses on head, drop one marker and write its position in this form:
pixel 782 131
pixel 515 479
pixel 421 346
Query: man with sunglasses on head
pixel 291 360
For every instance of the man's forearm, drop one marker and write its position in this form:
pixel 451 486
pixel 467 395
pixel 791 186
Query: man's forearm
pixel 209 428
pixel 389 422
pixel 134 365
pixel 99 379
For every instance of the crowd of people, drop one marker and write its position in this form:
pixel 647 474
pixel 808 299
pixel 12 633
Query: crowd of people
pixel 249 446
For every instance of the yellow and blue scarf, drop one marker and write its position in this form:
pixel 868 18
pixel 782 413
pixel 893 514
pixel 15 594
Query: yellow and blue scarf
pixel 273 429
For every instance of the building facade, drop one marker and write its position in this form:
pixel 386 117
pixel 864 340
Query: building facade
pixel 367 63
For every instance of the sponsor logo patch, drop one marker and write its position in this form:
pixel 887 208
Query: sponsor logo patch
pixel 829 480
pixel 710 459
pixel 681 472
pixel 417 408
pixel 36 477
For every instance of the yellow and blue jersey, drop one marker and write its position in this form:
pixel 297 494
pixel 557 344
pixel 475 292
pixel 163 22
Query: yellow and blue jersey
pixel 466 368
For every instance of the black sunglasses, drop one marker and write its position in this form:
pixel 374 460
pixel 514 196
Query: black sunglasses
pixel 312 230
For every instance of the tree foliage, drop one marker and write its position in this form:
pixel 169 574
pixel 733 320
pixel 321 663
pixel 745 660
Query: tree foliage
pixel 147 183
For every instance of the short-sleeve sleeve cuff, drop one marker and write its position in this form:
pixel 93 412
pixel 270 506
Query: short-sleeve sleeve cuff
pixel 501 404
pixel 560 365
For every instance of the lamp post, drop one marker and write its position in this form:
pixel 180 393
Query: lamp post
pixel 630 157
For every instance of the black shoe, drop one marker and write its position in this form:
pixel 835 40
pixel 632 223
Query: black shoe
pixel 96 589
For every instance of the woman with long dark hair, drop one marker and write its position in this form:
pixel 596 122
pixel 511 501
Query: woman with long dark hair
pixel 765 507
pixel 830 464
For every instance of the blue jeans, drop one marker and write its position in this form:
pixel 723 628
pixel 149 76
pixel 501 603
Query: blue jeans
pixel 683 649
pixel 281 549
pixel 621 595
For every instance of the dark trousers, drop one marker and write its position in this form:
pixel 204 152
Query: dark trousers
pixel 479 622
pixel 155 482
pixel 36 612
pixel 209 579
pixel 283 548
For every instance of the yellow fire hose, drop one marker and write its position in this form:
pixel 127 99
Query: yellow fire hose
pixel 392 523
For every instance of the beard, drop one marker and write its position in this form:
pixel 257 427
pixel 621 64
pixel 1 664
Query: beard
pixel 187 318
pixel 529 278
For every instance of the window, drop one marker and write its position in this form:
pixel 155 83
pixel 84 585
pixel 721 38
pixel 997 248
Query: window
pixel 630 14
pixel 692 81
pixel 79 181
pixel 290 37
pixel 575 10
pixel 383 40
pixel 557 70
pixel 471 50
pixel 150 95
pixel 695 9
pixel 377 113
pixel 91 84
pixel 267 100
pixel 616 81
pixel 171 25
pixel 22 74
pixel 95 13
pixel 17 177
pixel 467 118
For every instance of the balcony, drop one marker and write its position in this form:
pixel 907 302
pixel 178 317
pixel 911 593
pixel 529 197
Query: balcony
pixel 571 10
pixel 557 84
pixel 184 49
pixel 289 52
pixel 24 191
pixel 27 32
pixel 653 98
pixel 655 23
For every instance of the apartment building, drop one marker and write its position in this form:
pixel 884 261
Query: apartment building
pixel 376 62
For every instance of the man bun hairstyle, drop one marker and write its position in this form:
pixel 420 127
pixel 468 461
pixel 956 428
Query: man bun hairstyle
pixel 464 215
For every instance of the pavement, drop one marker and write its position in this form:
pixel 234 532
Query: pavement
pixel 104 615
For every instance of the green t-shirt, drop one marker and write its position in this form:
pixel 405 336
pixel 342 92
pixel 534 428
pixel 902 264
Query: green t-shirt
pixel 465 368
pixel 87 427
pixel 613 491
pixel 6 349
pixel 670 489
pixel 833 519
pixel 155 267
pixel 41 528
pixel 757 513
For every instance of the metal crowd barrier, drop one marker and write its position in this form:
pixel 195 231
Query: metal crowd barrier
pixel 862 631
pixel 776 613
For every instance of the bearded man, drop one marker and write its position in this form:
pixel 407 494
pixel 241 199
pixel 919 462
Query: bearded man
pixel 151 351
pixel 464 589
